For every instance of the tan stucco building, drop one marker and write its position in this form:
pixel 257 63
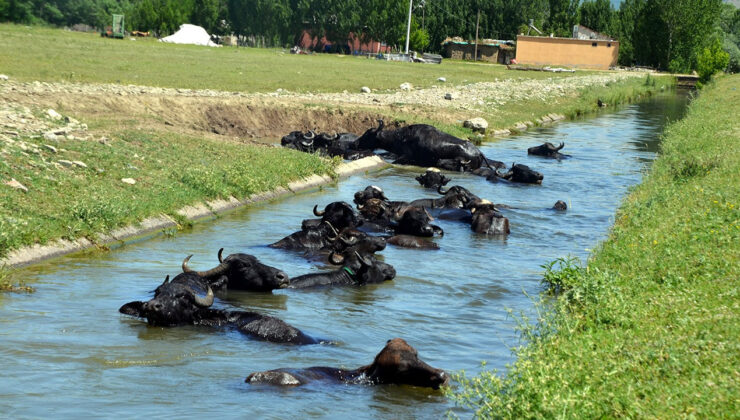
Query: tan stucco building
pixel 570 52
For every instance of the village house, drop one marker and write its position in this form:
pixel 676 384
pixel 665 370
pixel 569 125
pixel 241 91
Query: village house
pixel 489 50
pixel 586 49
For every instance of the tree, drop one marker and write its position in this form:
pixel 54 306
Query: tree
pixel 562 17
pixel 599 16
pixel 711 60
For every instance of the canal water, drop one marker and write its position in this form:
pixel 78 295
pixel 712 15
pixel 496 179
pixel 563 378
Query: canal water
pixel 65 351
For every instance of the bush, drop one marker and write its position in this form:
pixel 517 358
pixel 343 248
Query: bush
pixel 711 60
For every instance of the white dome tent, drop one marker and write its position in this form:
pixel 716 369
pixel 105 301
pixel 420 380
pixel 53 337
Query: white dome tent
pixel 190 34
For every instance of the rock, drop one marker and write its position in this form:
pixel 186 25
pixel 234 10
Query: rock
pixel 3 77
pixel 53 114
pixel 66 163
pixel 79 163
pixel 50 136
pixel 501 133
pixel 407 86
pixel 477 124
pixel 448 96
pixel 129 181
pixel 442 79
pixel 520 126
pixel 365 89
pixel 17 185
pixel 51 148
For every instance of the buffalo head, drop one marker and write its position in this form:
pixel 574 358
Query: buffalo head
pixel 432 178
pixel 487 219
pixel 548 150
pixel 339 214
pixel 415 221
pixel 399 363
pixel 369 192
pixel 175 302
pixel 241 272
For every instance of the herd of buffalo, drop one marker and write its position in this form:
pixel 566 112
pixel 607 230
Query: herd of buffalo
pixel 349 239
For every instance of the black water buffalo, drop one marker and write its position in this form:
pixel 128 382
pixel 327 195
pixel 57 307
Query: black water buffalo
pixel 424 145
pixel 488 220
pixel 350 241
pixel 415 221
pixel 369 192
pixel 240 272
pixel 341 144
pixel 522 173
pixel 548 150
pixel 560 206
pixel 356 271
pixel 455 197
pixel 186 300
pixel 398 363
pixel 314 232
pixel 409 241
pixel 433 178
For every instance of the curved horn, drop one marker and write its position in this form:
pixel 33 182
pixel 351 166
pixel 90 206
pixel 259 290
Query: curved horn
pixel 220 258
pixel 438 229
pixel 363 261
pixel 561 145
pixel 307 143
pixel 360 206
pixel 336 234
pixel 166 280
pixel 465 162
pixel 185 268
pixel 335 258
pixel 439 190
pixel 381 124
pixel 206 301
pixel 310 135
pixel 317 212
pixel 350 242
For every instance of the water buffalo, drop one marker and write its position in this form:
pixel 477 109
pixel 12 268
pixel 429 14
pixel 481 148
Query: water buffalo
pixel 424 145
pixel 522 173
pixel 415 221
pixel 398 363
pixel 455 197
pixel 548 150
pixel 369 192
pixel 341 144
pixel 356 271
pixel 314 232
pixel 560 206
pixel 408 241
pixel 488 220
pixel 186 300
pixel 240 272
pixel 433 178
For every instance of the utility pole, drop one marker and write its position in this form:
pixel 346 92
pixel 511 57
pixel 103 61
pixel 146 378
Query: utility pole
pixel 477 23
pixel 408 28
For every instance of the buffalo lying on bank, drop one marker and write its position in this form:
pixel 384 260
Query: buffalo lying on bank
pixel 424 145
pixel 240 272
pixel 548 150
pixel 187 300
pixel 433 178
pixel 340 144
pixel 398 363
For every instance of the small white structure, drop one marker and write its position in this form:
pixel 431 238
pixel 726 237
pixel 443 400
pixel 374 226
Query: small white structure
pixel 190 34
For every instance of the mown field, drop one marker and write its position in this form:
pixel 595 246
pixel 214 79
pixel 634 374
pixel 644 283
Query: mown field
pixel 649 328
pixel 34 53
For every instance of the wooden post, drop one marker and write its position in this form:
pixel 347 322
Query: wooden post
pixel 477 23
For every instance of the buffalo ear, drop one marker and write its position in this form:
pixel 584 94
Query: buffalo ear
pixel 135 308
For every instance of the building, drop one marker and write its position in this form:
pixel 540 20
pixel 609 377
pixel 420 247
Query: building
pixel 587 49
pixel 490 50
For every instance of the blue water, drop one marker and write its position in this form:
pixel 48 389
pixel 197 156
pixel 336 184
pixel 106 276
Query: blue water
pixel 67 352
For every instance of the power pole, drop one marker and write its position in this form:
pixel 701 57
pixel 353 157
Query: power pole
pixel 408 28
pixel 477 23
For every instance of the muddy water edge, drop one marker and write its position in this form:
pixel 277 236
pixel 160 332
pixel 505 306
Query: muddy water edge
pixel 66 351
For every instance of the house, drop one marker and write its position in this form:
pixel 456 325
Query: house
pixel 490 50
pixel 587 49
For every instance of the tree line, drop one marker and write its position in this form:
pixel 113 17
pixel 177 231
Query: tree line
pixel 666 34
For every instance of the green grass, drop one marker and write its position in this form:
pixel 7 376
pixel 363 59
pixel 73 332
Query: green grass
pixel 170 170
pixel 37 53
pixel 649 328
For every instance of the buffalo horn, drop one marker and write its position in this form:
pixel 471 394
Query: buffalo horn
pixel 166 280
pixel 335 258
pixel 561 145
pixel 310 135
pixel 465 162
pixel 317 212
pixel 439 190
pixel 185 268
pixel 363 261
pixel 438 229
pixel 336 234
pixel 350 242
pixel 307 143
pixel 206 301
pixel 360 206
pixel 219 269
pixel 220 258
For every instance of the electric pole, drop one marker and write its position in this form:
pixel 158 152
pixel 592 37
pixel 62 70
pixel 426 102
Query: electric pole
pixel 477 23
pixel 408 28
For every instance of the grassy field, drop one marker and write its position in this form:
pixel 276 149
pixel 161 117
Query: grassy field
pixel 649 329
pixel 35 53
pixel 171 171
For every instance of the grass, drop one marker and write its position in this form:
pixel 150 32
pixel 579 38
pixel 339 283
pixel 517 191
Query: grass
pixel 37 53
pixel 649 328
pixel 171 171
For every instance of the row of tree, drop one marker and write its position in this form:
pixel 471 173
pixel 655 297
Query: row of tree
pixel 667 34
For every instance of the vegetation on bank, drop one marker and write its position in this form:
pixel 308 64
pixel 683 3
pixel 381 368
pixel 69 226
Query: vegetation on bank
pixel 170 171
pixel 648 329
